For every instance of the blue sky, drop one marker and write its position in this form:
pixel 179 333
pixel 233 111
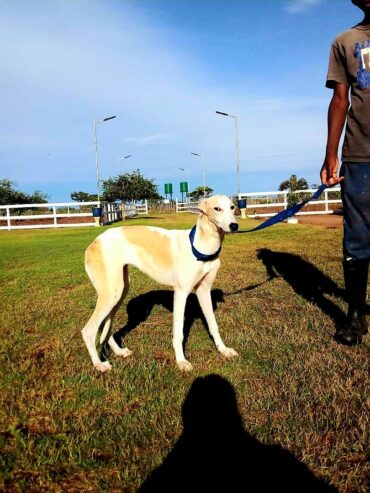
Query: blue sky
pixel 164 67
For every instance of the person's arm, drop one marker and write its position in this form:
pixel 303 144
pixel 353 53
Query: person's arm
pixel 337 114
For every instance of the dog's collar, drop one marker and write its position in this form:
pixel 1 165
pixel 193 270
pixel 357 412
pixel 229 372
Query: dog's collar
pixel 201 256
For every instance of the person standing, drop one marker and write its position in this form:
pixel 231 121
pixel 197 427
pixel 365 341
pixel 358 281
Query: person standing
pixel 349 77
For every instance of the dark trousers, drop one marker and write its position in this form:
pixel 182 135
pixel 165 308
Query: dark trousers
pixel 355 189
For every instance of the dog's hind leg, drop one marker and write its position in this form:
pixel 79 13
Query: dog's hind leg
pixel 100 315
pixel 116 348
pixel 108 282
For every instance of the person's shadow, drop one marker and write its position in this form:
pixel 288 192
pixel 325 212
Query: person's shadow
pixel 216 454
pixel 306 280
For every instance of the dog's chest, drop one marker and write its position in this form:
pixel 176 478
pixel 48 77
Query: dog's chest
pixel 203 269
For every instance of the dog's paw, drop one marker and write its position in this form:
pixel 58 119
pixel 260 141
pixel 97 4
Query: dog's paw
pixel 103 366
pixel 184 365
pixel 229 353
pixel 123 352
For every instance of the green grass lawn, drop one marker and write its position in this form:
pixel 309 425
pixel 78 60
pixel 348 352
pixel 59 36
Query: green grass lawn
pixel 278 295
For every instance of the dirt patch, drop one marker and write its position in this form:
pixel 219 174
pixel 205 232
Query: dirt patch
pixel 326 220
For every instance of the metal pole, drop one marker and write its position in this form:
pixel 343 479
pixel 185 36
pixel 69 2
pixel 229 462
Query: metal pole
pixel 204 176
pixel 187 195
pixel 237 152
pixel 185 170
pixel 95 122
pixel 97 162
pixel 201 155
pixel 236 145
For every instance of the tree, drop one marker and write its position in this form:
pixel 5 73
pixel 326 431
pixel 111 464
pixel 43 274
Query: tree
pixel 84 197
pixel 130 187
pixel 9 195
pixel 37 197
pixel 293 184
pixel 200 193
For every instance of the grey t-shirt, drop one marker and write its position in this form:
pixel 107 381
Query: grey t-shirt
pixel 349 64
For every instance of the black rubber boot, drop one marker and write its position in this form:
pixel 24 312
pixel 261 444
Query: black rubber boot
pixel 355 278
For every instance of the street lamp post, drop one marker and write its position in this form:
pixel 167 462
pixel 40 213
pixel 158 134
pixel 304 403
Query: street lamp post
pixel 187 174
pixel 236 145
pixel 96 122
pixel 123 157
pixel 201 155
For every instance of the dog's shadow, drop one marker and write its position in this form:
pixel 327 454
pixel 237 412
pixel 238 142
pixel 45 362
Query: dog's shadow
pixel 216 454
pixel 140 308
pixel 306 280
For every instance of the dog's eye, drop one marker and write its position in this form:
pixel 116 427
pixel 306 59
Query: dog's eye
pixel 232 207
pixel 217 209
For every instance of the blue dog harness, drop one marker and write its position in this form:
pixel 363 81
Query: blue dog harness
pixel 201 256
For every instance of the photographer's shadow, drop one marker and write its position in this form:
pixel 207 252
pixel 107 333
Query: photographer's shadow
pixel 215 453
pixel 306 280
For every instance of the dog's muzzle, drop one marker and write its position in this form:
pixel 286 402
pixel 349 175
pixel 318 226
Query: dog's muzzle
pixel 233 227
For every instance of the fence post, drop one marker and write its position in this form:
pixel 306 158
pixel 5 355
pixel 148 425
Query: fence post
pixel 55 216
pixel 177 206
pixel 285 200
pixel 326 201
pixel 8 218
pixel 146 206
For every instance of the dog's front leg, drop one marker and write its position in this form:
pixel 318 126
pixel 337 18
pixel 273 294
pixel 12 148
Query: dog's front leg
pixel 179 303
pixel 204 297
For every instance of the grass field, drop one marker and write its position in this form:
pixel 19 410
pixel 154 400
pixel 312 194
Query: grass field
pixel 302 398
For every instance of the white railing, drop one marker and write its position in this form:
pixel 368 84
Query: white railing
pixel 276 200
pixel 134 209
pixel 60 214
pixel 51 213
pixel 112 212
pixel 279 200
pixel 187 206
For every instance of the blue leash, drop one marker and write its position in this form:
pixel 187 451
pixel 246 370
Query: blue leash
pixel 281 216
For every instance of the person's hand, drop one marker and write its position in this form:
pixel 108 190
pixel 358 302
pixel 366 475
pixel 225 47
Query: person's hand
pixel 329 172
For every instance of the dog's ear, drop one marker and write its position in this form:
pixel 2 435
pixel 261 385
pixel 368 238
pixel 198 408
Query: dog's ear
pixel 203 206
pixel 237 212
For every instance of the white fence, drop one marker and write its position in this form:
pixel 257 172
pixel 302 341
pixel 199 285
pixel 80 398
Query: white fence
pixel 186 206
pixel 62 214
pixel 134 209
pixel 277 201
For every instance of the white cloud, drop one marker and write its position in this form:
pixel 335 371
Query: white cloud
pixel 148 140
pixel 301 6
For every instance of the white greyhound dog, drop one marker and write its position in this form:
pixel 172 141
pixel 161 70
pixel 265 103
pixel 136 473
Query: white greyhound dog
pixel 183 259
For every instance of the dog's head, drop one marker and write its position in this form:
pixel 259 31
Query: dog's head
pixel 220 211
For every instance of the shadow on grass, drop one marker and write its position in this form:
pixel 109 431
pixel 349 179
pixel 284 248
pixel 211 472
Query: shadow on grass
pixel 216 454
pixel 306 280
pixel 140 308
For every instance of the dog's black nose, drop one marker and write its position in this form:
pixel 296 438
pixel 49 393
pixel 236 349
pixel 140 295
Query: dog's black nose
pixel 233 227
